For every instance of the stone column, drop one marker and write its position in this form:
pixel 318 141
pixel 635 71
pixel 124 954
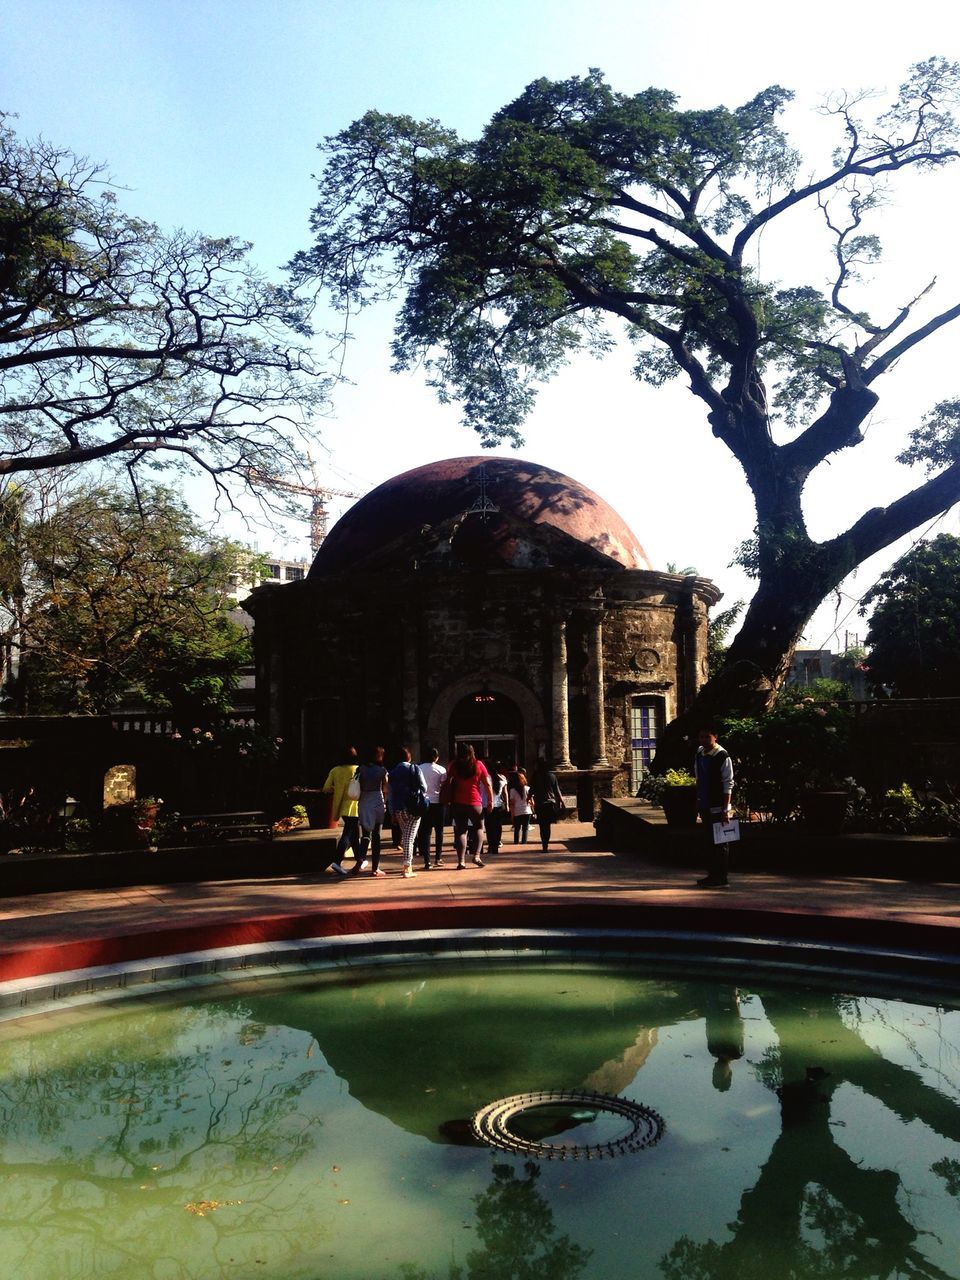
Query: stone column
pixel 693 659
pixel 595 689
pixel 561 709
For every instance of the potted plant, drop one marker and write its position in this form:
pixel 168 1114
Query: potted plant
pixel 679 798
pixel 824 802
pixel 291 821
pixel 317 803
pixel 128 826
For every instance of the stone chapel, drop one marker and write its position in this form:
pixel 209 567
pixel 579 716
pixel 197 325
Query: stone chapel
pixel 488 599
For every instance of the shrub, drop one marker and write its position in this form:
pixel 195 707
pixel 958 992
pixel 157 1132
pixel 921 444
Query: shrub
pixel 800 744
pixel 652 786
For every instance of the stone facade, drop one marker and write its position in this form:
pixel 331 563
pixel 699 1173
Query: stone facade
pixel 482 619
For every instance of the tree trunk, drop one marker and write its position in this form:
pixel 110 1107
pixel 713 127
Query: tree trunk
pixel 756 664
pixel 758 660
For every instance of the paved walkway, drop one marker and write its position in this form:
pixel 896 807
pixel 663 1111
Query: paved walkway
pixel 575 882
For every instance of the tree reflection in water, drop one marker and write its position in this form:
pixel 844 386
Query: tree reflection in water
pixel 108 1133
pixel 516 1229
pixel 99 1156
pixel 814 1212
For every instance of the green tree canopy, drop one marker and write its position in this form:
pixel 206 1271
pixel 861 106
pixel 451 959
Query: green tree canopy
pixel 579 206
pixel 108 599
pixel 914 635
pixel 118 341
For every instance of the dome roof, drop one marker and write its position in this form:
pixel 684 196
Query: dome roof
pixel 445 491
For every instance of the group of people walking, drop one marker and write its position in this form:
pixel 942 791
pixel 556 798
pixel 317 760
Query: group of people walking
pixel 479 799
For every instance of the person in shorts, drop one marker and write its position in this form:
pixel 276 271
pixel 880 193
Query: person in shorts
pixel 470 793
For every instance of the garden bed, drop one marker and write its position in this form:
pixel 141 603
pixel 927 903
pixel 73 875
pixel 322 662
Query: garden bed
pixel 630 826
pixel 49 872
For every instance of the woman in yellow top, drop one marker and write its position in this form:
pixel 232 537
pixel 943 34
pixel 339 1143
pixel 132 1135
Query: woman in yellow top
pixel 338 779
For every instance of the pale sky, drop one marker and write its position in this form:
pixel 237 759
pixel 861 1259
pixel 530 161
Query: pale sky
pixel 208 113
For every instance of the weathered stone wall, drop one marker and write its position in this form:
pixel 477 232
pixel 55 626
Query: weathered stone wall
pixel 385 657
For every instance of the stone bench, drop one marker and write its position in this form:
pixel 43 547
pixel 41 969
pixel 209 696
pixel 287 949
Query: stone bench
pixel 243 824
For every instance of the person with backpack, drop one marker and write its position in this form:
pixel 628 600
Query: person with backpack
pixel 547 801
pixel 408 804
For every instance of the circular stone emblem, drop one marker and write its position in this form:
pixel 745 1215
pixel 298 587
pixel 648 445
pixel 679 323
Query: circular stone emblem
pixel 521 1123
pixel 645 660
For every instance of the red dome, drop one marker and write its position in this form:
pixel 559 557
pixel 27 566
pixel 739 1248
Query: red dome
pixel 442 491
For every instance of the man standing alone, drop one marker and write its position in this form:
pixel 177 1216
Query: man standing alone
pixel 714 771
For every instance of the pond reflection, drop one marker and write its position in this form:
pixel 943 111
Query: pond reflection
pixel 517 1236
pixel 308 1127
pixel 814 1211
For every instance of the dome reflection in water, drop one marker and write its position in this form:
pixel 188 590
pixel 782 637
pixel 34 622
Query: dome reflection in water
pixel 312 1127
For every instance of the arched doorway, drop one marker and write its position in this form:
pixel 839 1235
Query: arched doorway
pixel 492 722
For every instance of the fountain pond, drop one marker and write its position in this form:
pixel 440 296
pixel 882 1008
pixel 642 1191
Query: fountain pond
pixel 493 1121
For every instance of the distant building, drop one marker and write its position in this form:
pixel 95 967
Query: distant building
pixel 821 664
pixel 263 571
pixel 267 569
pixel 809 665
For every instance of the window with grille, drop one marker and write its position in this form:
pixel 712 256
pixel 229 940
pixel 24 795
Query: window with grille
pixel 644 722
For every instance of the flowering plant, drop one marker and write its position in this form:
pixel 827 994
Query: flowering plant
pixel 653 785
pixel 241 740
pixel 679 778
pixel 800 744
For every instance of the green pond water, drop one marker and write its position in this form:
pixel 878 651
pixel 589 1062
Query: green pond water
pixel 310 1127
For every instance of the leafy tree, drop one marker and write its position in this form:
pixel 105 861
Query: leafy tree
pixel 578 206
pixel 914 634
pixel 117 341
pixel 718 628
pixel 849 665
pixel 121 599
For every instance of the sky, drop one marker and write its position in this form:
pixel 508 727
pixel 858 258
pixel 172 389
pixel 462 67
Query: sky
pixel 207 114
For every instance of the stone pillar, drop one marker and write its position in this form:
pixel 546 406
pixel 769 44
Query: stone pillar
pixel 595 688
pixel 693 664
pixel 561 708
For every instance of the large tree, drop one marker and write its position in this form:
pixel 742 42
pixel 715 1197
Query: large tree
pixel 120 342
pixel 579 205
pixel 914 635
pixel 105 597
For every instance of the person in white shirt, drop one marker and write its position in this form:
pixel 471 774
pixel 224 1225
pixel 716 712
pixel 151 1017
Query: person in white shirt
pixel 432 822
pixel 518 799
pixel 497 814
pixel 714 774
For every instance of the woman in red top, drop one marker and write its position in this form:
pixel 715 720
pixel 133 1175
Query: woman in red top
pixel 470 793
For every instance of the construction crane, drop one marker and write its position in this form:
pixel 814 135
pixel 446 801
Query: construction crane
pixel 318 493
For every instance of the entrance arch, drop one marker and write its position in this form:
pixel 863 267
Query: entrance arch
pixel 492 722
pixel 515 712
